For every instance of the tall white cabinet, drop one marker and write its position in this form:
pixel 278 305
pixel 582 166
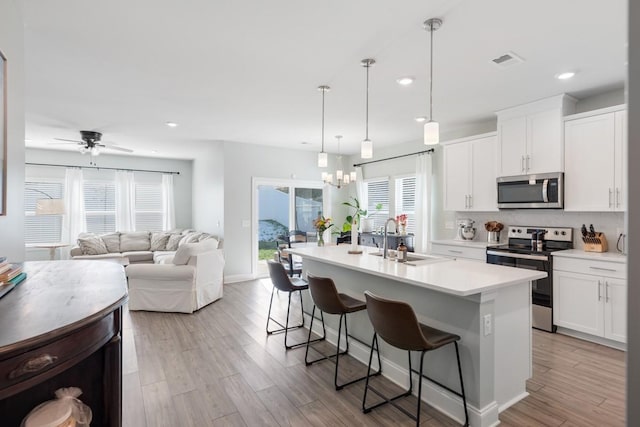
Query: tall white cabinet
pixel 530 136
pixel 470 174
pixel 595 165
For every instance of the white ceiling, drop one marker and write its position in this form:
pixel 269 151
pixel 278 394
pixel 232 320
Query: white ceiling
pixel 247 71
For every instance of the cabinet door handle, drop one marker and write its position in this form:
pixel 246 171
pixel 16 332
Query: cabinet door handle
pixel 599 290
pixel 606 292
pixel 528 161
pixel 617 197
pixel 33 365
pixel 466 201
pixel 470 200
pixel 610 194
pixel 603 269
pixel 454 252
pixel 522 164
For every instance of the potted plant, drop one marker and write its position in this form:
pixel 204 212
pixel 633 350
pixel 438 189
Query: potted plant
pixel 359 217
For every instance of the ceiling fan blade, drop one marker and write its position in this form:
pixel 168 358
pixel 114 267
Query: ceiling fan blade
pixel 69 140
pixel 115 147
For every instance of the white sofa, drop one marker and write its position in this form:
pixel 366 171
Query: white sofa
pixel 182 283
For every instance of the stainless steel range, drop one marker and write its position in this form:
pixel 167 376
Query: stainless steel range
pixel 531 247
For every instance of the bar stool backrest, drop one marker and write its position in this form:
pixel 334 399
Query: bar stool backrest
pixel 396 323
pixel 279 276
pixel 325 295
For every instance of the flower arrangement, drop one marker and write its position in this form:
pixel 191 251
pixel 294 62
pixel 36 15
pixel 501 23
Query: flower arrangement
pixel 322 224
pixel 402 219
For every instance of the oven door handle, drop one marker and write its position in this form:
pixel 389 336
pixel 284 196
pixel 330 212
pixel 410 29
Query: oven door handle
pixel 519 256
pixel 545 191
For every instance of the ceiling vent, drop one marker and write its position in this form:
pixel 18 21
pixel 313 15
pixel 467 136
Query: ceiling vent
pixel 507 60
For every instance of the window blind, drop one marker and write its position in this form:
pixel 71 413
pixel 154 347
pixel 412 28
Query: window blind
pixel 378 193
pixel 149 206
pixel 41 228
pixel 100 206
pixel 406 200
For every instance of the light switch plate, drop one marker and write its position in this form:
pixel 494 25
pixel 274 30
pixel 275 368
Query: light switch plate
pixel 488 325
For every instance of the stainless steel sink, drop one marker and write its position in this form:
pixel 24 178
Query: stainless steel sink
pixel 415 259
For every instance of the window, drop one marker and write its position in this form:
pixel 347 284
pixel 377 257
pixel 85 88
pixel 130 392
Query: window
pixel 42 228
pixel 100 206
pixel 401 201
pixel 377 193
pixel 308 205
pixel 148 206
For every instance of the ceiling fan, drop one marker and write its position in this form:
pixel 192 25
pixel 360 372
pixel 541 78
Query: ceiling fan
pixel 91 143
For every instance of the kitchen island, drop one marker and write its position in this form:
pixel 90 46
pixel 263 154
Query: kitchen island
pixel 489 306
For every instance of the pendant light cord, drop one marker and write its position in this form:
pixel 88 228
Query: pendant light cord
pixel 367 107
pixel 323 92
pixel 431 76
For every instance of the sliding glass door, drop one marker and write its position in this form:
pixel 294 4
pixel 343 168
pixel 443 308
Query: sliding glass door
pixel 282 206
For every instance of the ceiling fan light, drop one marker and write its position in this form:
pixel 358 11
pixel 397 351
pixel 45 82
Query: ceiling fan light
pixel 322 159
pixel 95 151
pixel 431 133
pixel 366 149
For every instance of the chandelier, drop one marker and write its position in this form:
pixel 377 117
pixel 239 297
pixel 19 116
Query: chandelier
pixel 342 178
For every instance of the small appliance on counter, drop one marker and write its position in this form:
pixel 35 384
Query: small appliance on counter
pixel 493 231
pixel 466 230
pixel 594 241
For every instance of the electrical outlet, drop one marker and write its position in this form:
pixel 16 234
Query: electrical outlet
pixel 619 231
pixel 488 325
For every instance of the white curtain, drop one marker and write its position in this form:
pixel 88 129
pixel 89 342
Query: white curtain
pixel 125 201
pixel 360 187
pixel 168 207
pixel 74 221
pixel 424 181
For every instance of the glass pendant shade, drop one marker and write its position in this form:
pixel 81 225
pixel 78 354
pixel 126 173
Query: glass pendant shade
pixel 353 176
pixel 366 149
pixel 324 176
pixel 322 159
pixel 346 179
pixel 431 133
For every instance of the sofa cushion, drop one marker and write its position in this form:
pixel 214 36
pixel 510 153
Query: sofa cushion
pixel 107 257
pixel 92 245
pixel 159 241
pixel 173 242
pixel 111 241
pixel 138 256
pixel 135 241
pixel 162 255
pixel 188 250
pixel 190 238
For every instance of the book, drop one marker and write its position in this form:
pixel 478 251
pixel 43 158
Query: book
pixel 13 272
pixel 4 267
pixel 5 288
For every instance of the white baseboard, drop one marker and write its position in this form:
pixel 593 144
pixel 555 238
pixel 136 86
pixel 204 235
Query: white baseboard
pixel 441 399
pixel 588 337
pixel 234 278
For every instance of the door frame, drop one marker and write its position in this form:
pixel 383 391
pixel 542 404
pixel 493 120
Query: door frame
pixel 279 182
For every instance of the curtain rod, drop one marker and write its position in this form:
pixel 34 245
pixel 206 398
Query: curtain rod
pixel 99 167
pixel 429 151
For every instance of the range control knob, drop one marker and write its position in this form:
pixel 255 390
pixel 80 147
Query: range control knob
pixel 555 232
pixel 564 233
pixel 519 230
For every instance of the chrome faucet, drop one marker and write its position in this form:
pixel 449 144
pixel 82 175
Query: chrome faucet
pixel 385 243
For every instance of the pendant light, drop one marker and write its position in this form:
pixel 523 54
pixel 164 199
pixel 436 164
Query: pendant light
pixel 342 178
pixel 366 149
pixel 322 156
pixel 431 128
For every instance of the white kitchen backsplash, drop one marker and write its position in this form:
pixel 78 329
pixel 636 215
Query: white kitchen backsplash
pixel 607 222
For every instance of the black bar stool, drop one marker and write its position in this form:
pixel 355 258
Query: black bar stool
pixel 283 282
pixel 396 323
pixel 327 299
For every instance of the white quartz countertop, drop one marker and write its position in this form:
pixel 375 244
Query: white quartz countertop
pixel 600 256
pixel 456 277
pixel 465 243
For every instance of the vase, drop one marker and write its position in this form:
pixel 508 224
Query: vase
pixel 320 238
pixel 403 229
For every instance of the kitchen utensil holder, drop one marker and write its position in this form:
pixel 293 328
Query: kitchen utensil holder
pixel 493 237
pixel 596 244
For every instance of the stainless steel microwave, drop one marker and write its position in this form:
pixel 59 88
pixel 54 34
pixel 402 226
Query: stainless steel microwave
pixel 537 191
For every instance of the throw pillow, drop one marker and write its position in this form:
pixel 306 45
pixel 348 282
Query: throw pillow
pixel 173 241
pixel 189 238
pixel 92 245
pixel 135 241
pixel 188 250
pixel 112 242
pixel 159 241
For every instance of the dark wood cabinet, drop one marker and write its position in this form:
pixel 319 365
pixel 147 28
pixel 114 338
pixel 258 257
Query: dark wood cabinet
pixel 63 333
pixel 377 240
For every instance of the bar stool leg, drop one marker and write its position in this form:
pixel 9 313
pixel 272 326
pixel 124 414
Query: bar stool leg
pixel 309 340
pixel 419 387
pixel 464 396
pixel 270 304
pixel 374 344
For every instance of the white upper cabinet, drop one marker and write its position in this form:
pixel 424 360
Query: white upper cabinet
pixel 470 174
pixel 530 136
pixel 595 167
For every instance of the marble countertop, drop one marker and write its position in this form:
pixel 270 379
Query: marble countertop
pixel 599 256
pixel 455 277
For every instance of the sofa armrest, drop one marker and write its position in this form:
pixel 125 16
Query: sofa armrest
pixel 168 272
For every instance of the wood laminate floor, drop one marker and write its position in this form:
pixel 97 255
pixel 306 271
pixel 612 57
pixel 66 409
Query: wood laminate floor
pixel 217 367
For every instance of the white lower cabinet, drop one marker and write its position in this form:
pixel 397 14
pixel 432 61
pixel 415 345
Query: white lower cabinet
pixel 588 300
pixel 477 253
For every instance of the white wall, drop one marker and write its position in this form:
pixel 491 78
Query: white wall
pixel 209 189
pixel 242 162
pixel 12 46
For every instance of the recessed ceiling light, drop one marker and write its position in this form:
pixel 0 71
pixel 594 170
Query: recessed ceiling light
pixel 420 119
pixel 171 124
pixel 566 75
pixel 154 151
pixel 405 81
pixel 304 143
